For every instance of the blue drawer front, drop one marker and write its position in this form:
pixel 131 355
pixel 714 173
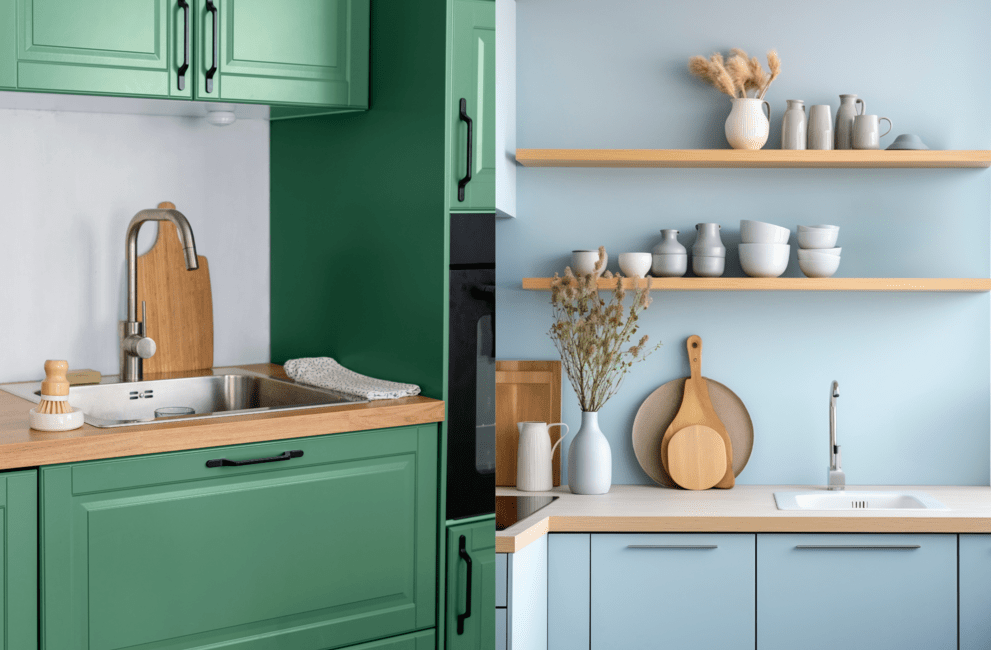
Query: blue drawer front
pixel 868 592
pixel 672 591
pixel 568 572
pixel 975 592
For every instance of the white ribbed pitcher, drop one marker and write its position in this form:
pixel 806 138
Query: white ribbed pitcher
pixel 747 127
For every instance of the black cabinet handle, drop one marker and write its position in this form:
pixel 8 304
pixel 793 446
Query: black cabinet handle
pixel 223 462
pixel 184 5
pixel 212 8
pixel 467 558
pixel 464 181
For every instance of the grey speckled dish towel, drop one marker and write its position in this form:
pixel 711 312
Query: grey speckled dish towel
pixel 324 372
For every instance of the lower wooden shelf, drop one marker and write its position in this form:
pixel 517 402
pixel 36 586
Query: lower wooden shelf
pixel 972 285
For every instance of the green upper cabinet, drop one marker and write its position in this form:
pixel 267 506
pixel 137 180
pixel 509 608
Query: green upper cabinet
pixel 303 52
pixel 107 47
pixel 8 43
pixel 325 548
pixel 471 586
pixel 19 565
pixel 473 80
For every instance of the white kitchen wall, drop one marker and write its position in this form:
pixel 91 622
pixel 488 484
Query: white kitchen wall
pixel 70 183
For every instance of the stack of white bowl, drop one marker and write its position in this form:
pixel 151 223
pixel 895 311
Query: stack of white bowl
pixel 818 257
pixel 765 250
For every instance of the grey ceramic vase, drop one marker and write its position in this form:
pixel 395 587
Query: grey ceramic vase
pixel 669 244
pixel 793 126
pixel 844 120
pixel 707 242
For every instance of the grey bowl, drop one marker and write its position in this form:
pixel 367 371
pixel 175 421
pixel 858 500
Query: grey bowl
pixel 908 141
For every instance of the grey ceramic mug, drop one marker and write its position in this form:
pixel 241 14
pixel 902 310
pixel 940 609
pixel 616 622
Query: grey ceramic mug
pixel 866 131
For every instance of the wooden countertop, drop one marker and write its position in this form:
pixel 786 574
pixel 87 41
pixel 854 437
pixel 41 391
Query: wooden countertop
pixel 744 508
pixel 21 446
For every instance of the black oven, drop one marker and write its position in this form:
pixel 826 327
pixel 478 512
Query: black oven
pixel 471 368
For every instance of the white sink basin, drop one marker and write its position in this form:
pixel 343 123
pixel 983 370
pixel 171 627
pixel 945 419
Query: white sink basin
pixel 856 500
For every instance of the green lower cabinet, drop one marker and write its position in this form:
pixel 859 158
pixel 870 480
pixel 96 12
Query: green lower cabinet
pixel 471 562
pixel 473 79
pixel 305 52
pixel 327 549
pixel 19 569
pixel 105 47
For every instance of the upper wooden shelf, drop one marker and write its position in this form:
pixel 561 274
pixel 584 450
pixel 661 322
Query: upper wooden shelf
pixel 972 285
pixel 747 158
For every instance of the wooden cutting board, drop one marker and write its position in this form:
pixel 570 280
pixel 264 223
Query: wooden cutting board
pixel 696 457
pixel 179 305
pixel 526 391
pixel 696 408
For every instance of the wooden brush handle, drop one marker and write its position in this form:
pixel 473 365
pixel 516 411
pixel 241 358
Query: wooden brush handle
pixel 166 205
pixel 695 355
pixel 56 384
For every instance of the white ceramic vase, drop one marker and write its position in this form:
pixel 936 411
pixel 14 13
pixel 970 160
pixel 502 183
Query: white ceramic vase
pixel 747 126
pixel 589 458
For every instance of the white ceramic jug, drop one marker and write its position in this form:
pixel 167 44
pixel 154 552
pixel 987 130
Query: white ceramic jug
pixel 533 456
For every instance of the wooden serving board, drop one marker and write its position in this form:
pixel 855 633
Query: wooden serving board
pixel 696 408
pixel 526 391
pixel 179 305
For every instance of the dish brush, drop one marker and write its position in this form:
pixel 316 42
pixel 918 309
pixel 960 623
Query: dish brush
pixel 54 412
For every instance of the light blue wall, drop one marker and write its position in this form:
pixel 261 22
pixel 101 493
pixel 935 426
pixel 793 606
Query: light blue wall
pixel 914 369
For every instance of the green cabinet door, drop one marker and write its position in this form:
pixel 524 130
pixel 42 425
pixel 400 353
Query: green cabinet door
pixel 327 549
pixel 106 47
pixel 8 43
pixel 304 52
pixel 19 568
pixel 473 80
pixel 471 562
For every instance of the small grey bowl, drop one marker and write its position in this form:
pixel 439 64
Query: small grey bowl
pixel 670 266
pixel 908 141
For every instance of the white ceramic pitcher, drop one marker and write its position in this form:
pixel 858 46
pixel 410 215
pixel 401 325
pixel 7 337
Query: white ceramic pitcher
pixel 533 456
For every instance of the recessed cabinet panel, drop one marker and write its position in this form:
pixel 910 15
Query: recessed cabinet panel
pixel 18 568
pixel 324 550
pixel 473 79
pixel 975 592
pixel 101 46
pixel 673 591
pixel 8 43
pixel 301 52
pixel 856 591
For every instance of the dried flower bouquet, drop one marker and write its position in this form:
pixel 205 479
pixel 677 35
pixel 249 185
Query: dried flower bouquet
pixel 591 334
pixel 739 75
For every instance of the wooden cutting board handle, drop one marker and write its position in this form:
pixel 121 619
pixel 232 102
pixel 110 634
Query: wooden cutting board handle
pixel 696 408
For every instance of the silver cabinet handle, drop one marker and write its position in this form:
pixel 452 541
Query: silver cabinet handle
pixel 858 547
pixel 682 547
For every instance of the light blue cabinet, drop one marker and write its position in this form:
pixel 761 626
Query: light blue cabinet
pixel 855 592
pixel 673 591
pixel 568 574
pixel 975 592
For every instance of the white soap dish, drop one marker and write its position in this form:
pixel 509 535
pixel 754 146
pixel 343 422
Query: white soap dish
pixel 56 421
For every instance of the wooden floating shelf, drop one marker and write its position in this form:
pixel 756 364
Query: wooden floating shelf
pixel 748 158
pixel 972 285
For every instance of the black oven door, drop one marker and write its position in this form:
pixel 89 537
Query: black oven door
pixel 471 394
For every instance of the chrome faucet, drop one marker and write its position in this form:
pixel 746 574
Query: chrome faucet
pixel 135 345
pixel 837 479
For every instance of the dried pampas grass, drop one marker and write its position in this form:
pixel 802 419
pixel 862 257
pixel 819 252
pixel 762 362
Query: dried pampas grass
pixel 739 75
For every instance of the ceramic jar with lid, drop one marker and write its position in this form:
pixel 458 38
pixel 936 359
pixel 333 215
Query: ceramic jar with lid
pixel 670 257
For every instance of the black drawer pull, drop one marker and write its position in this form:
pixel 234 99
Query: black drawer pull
pixel 212 8
pixel 857 547
pixel 463 552
pixel 184 5
pixel 467 177
pixel 223 462
pixel 679 547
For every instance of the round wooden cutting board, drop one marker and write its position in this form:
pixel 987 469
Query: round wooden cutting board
pixel 658 411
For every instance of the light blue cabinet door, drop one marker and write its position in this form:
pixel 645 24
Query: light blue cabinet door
pixel 975 592
pixel 654 591
pixel 869 592
pixel 568 574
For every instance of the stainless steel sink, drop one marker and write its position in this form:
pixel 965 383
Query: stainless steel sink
pixel 229 391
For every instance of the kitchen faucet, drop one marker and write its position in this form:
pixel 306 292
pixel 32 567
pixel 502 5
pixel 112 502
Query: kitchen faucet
pixel 837 479
pixel 135 346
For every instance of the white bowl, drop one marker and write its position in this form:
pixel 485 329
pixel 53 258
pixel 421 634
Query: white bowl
pixel 758 232
pixel 818 239
pixel 635 265
pixel 670 266
pixel 583 262
pixel 820 268
pixel 817 253
pixel 819 227
pixel 764 260
pixel 708 267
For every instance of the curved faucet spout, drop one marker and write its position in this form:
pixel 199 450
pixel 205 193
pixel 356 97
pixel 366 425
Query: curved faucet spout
pixel 185 238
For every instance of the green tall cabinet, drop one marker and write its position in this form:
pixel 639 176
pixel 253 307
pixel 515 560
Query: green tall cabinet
pixel 19 568
pixel 473 80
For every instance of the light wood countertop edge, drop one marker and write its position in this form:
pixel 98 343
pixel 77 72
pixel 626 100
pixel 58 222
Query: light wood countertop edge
pixel 22 447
